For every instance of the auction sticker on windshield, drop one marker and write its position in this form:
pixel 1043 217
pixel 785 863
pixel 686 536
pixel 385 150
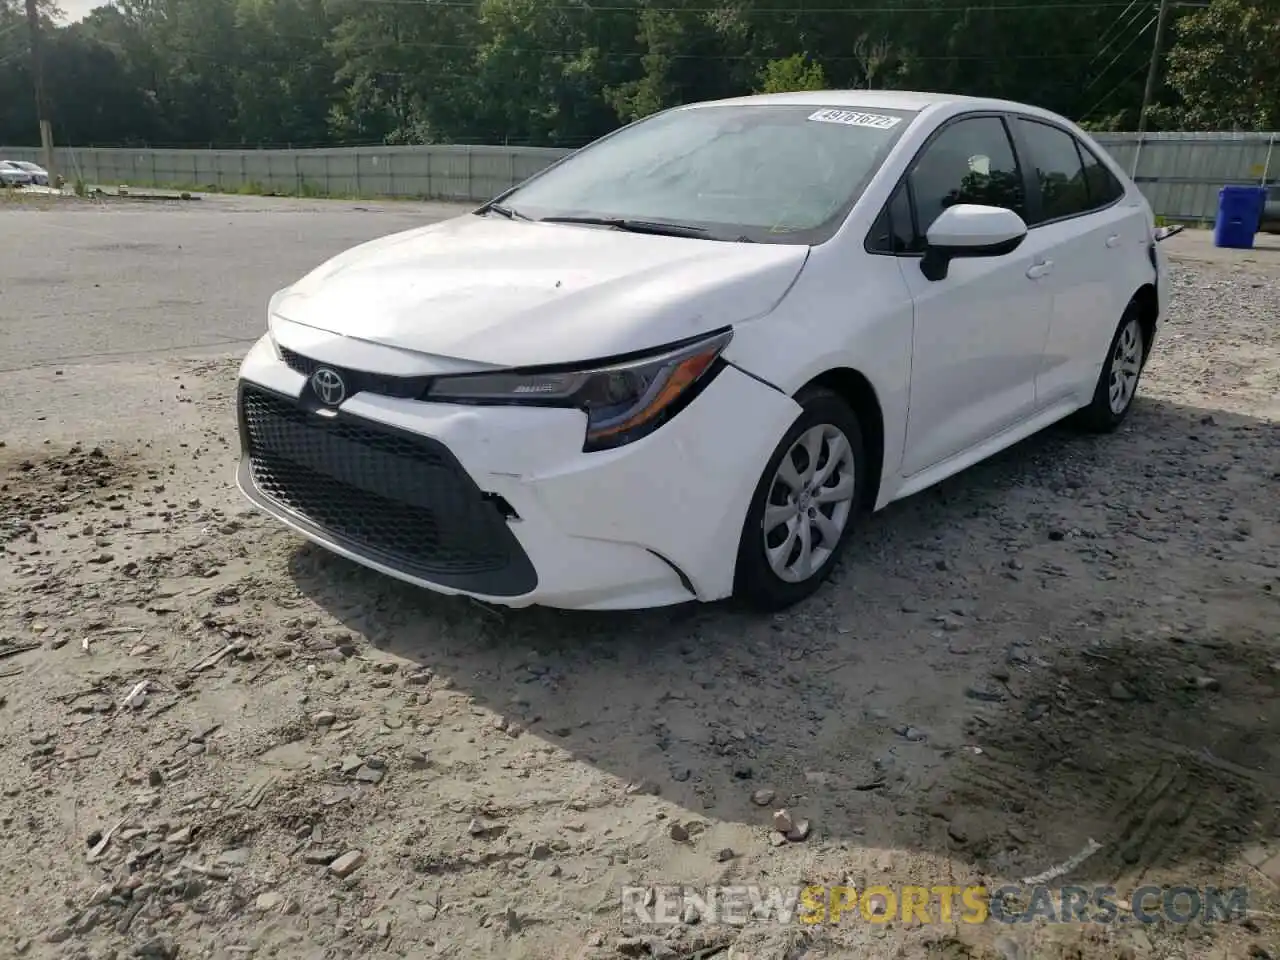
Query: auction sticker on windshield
pixel 853 118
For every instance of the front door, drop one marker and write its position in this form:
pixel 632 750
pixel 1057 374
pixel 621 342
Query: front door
pixel 980 332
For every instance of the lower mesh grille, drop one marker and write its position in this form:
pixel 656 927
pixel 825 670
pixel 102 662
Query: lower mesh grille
pixel 395 498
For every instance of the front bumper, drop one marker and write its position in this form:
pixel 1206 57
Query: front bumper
pixel 500 503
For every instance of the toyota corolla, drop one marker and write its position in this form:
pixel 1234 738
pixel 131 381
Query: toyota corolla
pixel 680 363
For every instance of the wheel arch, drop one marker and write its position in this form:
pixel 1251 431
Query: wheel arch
pixel 1147 302
pixel 855 389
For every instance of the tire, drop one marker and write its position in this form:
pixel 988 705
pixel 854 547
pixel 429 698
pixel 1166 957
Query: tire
pixel 1125 361
pixel 757 583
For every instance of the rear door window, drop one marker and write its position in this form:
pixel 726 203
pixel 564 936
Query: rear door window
pixel 1104 188
pixel 1054 161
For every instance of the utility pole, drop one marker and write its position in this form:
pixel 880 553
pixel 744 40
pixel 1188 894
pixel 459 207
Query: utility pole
pixel 42 102
pixel 1153 72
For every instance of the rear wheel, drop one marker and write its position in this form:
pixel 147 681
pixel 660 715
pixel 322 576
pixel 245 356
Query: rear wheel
pixel 805 505
pixel 1118 382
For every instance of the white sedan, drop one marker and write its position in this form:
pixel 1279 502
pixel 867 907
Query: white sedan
pixel 39 175
pixel 12 175
pixel 680 363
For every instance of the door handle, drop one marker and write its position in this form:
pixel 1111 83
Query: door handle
pixel 1041 269
pixel 1113 240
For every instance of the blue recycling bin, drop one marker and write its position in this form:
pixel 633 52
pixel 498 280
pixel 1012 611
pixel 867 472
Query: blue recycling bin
pixel 1239 212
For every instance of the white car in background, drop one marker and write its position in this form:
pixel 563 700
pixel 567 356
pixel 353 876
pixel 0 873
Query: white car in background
pixel 39 175
pixel 12 175
pixel 681 362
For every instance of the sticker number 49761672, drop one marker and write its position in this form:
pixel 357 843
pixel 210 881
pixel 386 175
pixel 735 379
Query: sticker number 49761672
pixel 854 118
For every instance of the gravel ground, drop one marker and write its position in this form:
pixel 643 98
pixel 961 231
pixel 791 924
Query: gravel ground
pixel 217 741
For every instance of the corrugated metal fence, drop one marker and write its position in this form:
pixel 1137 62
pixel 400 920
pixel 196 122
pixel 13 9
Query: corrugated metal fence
pixel 1180 173
pixel 438 172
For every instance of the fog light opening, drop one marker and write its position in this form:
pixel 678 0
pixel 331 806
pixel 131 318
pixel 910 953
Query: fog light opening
pixel 508 512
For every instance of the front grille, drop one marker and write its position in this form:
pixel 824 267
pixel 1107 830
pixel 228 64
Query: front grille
pixel 297 362
pixel 358 381
pixel 399 499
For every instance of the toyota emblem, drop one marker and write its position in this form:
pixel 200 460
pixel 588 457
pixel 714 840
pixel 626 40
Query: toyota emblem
pixel 328 386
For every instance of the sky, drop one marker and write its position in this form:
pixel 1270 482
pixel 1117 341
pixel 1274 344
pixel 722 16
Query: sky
pixel 75 9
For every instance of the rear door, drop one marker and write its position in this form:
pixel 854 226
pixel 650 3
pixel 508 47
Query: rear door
pixel 1079 212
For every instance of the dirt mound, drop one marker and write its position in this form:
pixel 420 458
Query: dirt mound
pixel 39 487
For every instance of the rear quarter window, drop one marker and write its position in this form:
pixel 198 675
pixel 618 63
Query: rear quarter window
pixel 1104 188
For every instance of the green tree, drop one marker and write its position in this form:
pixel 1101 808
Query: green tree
pixel 562 72
pixel 539 73
pixel 792 73
pixel 284 85
pixel 404 71
pixel 662 35
pixel 1225 67
pixel 17 90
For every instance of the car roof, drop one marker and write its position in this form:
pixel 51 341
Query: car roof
pixel 883 99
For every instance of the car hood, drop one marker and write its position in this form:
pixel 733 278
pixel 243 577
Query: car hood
pixel 518 293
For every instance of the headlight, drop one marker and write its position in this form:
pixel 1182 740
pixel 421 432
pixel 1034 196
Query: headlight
pixel 623 401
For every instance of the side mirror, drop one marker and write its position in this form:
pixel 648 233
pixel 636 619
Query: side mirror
pixel 970 230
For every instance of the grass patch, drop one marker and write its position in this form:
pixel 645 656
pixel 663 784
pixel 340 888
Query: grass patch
pixel 24 200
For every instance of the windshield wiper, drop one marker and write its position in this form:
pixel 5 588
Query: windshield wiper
pixel 503 211
pixel 634 226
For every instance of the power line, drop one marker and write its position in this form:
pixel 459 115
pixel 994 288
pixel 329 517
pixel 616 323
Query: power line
pixel 982 58
pixel 1116 59
pixel 768 11
pixel 1124 13
pixel 1123 30
pixel 638 54
pixel 1107 96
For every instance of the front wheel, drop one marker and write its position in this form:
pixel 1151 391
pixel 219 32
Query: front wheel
pixel 1118 382
pixel 805 505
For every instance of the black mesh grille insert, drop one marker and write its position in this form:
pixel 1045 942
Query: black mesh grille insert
pixel 405 388
pixel 297 362
pixel 393 497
